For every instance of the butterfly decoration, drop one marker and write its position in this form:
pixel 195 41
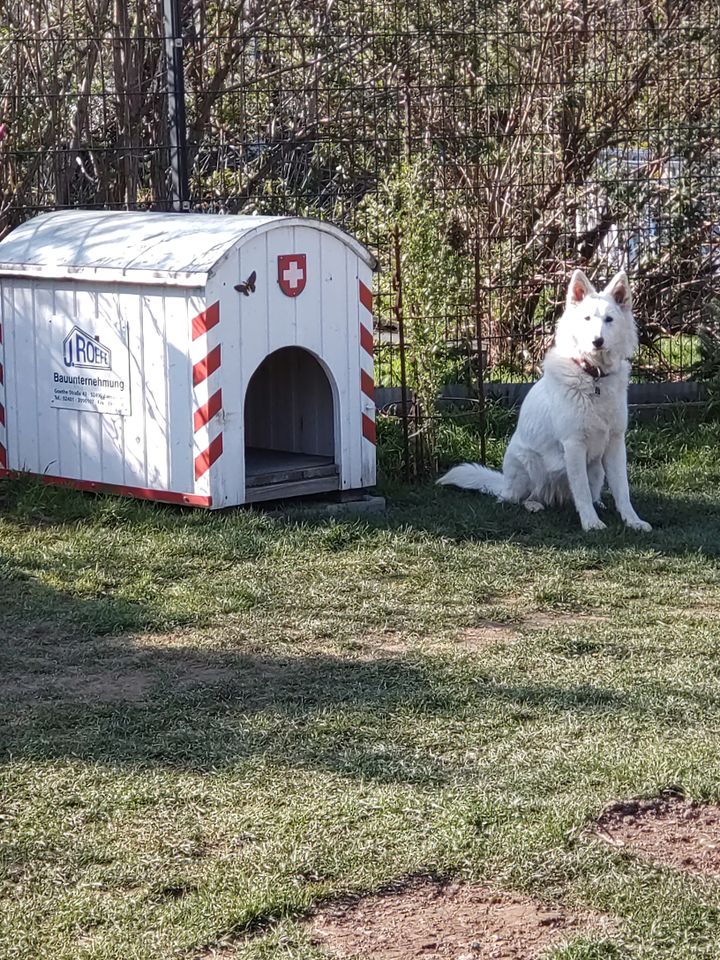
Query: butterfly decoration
pixel 247 286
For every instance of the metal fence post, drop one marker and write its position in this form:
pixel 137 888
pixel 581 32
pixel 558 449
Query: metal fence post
pixel 480 357
pixel 400 320
pixel 176 105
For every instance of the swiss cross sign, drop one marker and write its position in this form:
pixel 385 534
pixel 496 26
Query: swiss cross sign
pixel 292 273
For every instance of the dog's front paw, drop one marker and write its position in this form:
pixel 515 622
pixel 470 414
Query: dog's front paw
pixel 638 524
pixel 595 524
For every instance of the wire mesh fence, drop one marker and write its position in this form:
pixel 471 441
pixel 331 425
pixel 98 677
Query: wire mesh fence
pixel 502 142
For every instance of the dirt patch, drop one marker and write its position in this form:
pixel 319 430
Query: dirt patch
pixel 488 633
pixel 129 685
pixel 667 832
pixel 495 631
pixel 384 643
pixel 546 619
pixel 130 682
pixel 379 644
pixel 188 675
pixel 431 920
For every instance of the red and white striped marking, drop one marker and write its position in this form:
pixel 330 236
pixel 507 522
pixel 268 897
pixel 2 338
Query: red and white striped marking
pixel 204 460
pixel 367 366
pixel 206 352
pixel 206 320
pixel 3 425
pixel 204 414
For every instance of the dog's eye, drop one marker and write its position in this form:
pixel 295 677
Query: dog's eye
pixel 608 319
pixel 587 318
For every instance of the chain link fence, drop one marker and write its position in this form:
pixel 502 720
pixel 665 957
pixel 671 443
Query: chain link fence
pixel 481 149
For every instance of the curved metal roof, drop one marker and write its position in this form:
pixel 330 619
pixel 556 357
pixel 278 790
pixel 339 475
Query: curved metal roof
pixel 172 249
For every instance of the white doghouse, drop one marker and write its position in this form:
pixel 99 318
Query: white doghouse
pixel 189 358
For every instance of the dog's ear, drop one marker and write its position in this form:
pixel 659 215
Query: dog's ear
pixel 580 287
pixel 619 290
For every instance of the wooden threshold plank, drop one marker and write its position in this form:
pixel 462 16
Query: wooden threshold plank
pixel 301 488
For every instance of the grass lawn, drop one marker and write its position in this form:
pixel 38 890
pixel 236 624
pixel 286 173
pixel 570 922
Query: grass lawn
pixel 210 722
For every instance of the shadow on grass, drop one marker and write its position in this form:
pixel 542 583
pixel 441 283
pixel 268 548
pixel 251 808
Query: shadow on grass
pixel 72 683
pixel 68 694
pixel 681 524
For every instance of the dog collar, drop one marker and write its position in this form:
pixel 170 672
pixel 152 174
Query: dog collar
pixel 592 371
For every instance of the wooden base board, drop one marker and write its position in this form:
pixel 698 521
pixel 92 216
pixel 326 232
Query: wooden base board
pixel 296 488
pixel 272 467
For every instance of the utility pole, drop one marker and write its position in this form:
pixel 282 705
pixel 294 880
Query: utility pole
pixel 176 105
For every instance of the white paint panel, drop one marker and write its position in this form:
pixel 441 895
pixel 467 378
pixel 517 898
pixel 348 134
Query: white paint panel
pixel 87 422
pixel 48 421
pixel 119 310
pixel 257 339
pixel 249 337
pixel 5 306
pixel 155 371
pixel 70 441
pixel 282 326
pixel 179 309
pixel 21 385
pixel 309 305
pixel 335 349
pixel 134 451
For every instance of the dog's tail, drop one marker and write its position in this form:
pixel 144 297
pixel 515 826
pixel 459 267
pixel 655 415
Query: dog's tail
pixel 473 476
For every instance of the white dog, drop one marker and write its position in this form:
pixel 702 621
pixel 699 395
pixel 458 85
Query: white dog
pixel 571 429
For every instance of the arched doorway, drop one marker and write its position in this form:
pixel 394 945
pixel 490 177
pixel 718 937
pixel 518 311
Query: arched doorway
pixel 289 428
